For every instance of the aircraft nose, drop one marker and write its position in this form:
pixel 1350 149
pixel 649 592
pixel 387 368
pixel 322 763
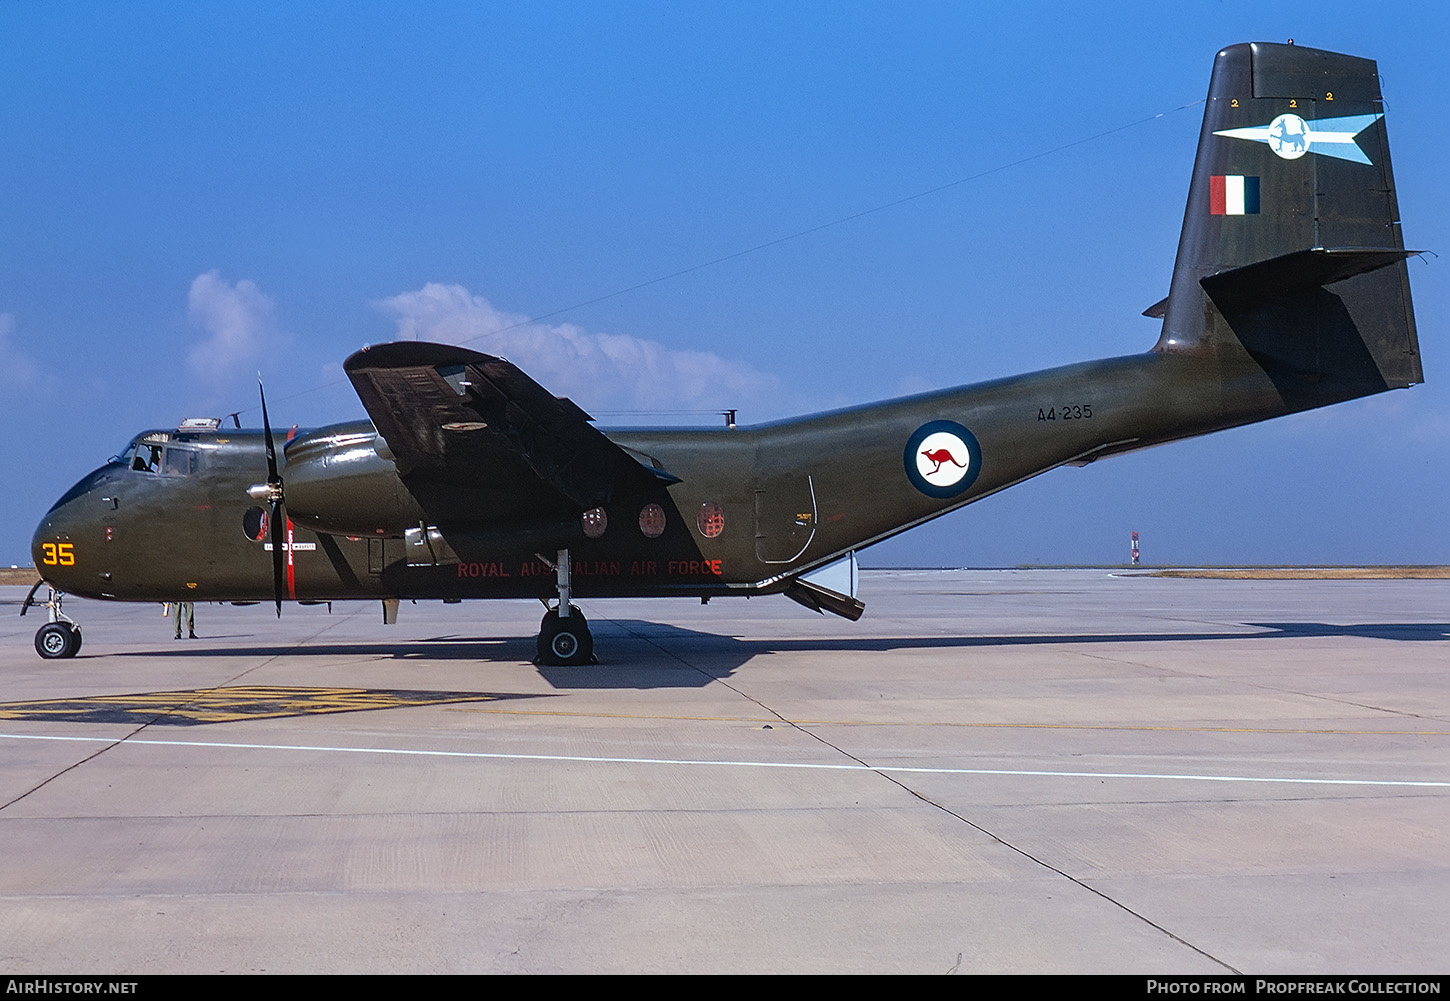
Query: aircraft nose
pixel 64 545
pixel 53 549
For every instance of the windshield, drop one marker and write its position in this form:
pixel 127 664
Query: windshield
pixel 142 456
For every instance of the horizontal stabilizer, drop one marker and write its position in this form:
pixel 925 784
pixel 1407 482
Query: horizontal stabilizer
pixel 1304 269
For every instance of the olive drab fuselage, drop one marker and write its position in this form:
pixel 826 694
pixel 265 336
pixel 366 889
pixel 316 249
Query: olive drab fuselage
pixel 754 506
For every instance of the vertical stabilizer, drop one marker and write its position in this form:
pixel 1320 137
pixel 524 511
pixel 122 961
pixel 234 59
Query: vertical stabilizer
pixel 1291 249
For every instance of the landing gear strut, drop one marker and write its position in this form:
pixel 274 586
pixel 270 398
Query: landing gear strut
pixel 60 637
pixel 564 638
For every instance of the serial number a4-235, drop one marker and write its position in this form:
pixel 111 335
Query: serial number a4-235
pixel 1074 412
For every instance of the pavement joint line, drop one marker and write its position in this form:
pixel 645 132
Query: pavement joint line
pixel 969 726
pixel 718 763
pixel 1035 860
pixel 896 776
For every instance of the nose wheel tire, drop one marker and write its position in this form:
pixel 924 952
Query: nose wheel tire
pixel 57 640
pixel 565 642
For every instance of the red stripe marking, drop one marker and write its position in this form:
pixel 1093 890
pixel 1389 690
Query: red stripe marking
pixel 1217 200
pixel 291 575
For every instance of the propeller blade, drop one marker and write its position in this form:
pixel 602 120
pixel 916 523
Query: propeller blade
pixel 279 554
pixel 274 480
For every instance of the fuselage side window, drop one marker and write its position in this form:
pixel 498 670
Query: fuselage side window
pixel 180 461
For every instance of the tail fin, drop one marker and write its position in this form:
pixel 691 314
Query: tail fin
pixel 1291 248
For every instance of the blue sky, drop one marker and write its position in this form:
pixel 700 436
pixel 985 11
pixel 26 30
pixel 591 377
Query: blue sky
pixel 195 192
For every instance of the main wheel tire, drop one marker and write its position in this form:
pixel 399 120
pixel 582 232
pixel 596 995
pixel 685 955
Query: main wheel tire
pixel 57 640
pixel 565 642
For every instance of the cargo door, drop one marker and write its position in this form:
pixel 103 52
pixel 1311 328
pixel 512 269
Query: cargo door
pixel 785 517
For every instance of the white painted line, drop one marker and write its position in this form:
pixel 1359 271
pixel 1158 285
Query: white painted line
pixel 582 759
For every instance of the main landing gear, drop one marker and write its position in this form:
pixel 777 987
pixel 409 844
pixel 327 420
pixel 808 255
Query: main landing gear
pixel 564 638
pixel 61 636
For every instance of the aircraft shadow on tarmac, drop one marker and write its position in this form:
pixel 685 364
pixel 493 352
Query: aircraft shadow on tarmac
pixel 641 655
pixel 638 654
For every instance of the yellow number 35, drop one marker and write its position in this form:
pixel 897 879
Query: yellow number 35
pixel 58 554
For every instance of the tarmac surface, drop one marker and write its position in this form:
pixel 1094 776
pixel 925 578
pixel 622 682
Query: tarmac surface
pixel 993 771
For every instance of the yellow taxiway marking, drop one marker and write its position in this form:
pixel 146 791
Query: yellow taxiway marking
pixel 1001 726
pixel 225 705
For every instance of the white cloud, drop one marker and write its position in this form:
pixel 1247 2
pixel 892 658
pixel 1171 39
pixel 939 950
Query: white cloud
pixel 595 370
pixel 17 369
pixel 240 325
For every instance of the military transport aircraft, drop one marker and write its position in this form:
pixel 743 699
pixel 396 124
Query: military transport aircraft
pixel 1290 291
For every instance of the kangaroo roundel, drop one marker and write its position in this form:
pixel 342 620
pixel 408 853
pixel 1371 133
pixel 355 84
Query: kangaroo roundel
pixel 942 459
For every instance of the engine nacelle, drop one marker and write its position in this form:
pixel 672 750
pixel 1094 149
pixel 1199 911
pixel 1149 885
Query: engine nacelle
pixel 342 481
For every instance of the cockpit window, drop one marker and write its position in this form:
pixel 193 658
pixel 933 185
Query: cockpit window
pixel 141 457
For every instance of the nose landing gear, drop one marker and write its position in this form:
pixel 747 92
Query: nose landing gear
pixel 61 636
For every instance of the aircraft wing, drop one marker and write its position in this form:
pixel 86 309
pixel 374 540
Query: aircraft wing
pixel 460 417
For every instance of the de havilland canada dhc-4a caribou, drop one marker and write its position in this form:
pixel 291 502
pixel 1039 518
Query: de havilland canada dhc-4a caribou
pixel 1290 291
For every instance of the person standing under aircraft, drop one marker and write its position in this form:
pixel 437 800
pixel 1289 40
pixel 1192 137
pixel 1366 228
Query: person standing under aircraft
pixel 186 610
